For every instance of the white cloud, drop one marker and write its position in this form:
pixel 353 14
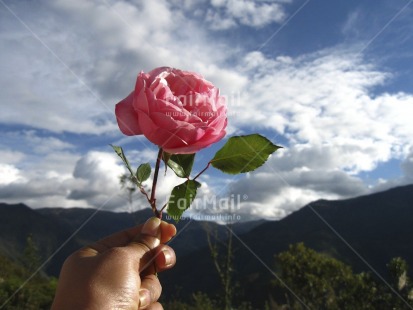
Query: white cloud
pixel 65 180
pixel 40 181
pixel 38 189
pixel 47 172
pixel 286 184
pixel 37 153
pixel 185 4
pixel 325 104
pixel 41 145
pixel 406 178
pixel 9 174
pixel 351 27
pixel 79 58
pixel 327 101
pixel 227 14
pixel 337 126
pixel 10 156
pixel 407 166
pixel 96 180
pixel 288 200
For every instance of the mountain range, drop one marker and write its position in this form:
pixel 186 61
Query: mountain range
pixel 364 232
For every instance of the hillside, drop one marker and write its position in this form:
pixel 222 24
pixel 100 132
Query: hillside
pixel 377 227
pixel 365 232
pixel 58 232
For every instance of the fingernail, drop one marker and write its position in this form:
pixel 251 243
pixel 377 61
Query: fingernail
pixel 144 298
pixel 151 227
pixel 168 257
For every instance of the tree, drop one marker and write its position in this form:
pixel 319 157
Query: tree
pixel 18 292
pixel 398 272
pixel 223 266
pixel 127 184
pixel 317 281
pixel 31 257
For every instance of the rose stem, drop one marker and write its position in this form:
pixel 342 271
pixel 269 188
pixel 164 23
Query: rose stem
pixel 203 170
pixel 155 180
pixel 163 208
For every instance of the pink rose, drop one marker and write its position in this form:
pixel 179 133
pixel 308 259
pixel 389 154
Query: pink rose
pixel 178 110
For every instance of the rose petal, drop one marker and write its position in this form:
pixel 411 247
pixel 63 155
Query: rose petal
pixel 220 102
pixel 161 90
pixel 160 136
pixel 208 139
pixel 178 85
pixel 219 123
pixel 213 138
pixel 196 120
pixel 141 81
pixel 193 101
pixel 169 108
pixel 140 102
pixel 155 109
pixel 206 113
pixel 160 105
pixel 158 72
pixel 165 121
pixel 192 148
pixel 127 117
pixel 190 134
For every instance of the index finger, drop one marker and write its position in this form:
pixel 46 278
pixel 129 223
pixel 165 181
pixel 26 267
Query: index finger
pixel 124 237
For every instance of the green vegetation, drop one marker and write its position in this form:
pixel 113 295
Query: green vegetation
pixel 201 301
pixel 16 293
pixel 21 286
pixel 306 279
pixel 321 282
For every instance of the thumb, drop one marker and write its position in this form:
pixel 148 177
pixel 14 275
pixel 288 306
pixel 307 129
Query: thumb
pixel 149 237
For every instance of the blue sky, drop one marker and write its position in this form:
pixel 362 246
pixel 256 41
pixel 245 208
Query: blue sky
pixel 331 81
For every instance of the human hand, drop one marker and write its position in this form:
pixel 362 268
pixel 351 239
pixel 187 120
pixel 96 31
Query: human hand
pixel 119 271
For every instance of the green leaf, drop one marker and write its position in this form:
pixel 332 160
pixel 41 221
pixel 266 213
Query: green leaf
pixel 121 154
pixel 243 154
pixel 165 157
pixel 181 164
pixel 181 198
pixel 143 172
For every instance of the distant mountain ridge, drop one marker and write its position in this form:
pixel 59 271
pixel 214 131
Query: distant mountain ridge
pixel 50 228
pixel 365 232
pixel 378 227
